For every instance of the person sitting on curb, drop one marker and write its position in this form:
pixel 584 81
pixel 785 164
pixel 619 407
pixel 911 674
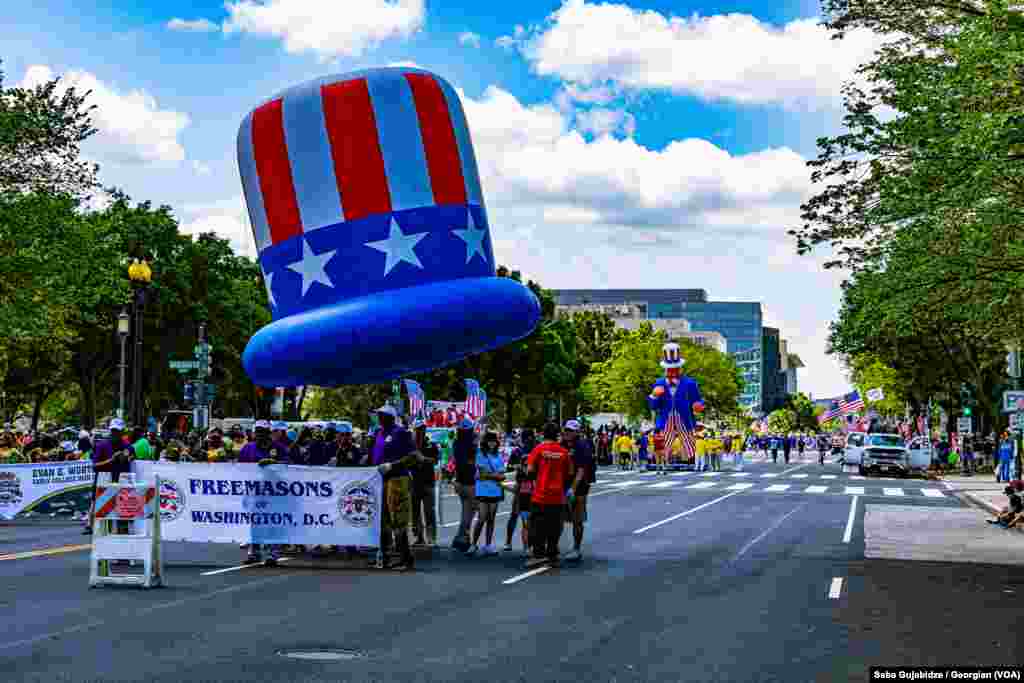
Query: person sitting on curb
pixel 1013 514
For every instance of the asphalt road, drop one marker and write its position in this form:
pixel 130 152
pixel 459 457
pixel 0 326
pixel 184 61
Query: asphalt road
pixel 759 577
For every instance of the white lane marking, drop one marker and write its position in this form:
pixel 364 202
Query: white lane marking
pixel 680 474
pixel 933 493
pixel 623 484
pixel 855 490
pixel 526 575
pixel 858 477
pixel 815 489
pixel 664 485
pixel 767 531
pixel 848 534
pixel 622 473
pixel 778 487
pixel 828 476
pixel 739 487
pixel 685 512
pixel 800 476
pixel 836 588
pixel 710 474
pixel 241 566
pixel 741 474
pixel 701 485
pixel 893 492
pixel 770 474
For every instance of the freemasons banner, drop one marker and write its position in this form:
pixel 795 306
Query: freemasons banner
pixel 55 486
pixel 286 504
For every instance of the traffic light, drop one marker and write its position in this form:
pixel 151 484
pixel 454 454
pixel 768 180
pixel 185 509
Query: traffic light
pixel 967 411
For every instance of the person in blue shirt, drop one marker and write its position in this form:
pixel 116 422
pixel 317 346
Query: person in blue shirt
pixel 489 493
pixel 1005 458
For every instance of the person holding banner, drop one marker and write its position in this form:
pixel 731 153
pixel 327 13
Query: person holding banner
pixel 263 451
pixel 394 454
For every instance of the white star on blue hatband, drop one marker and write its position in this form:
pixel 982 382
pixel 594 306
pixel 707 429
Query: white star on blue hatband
pixel 398 247
pixel 268 278
pixel 311 267
pixel 474 239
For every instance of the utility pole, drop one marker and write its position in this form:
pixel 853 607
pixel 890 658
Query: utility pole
pixel 202 410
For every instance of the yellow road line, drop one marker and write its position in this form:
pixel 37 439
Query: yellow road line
pixel 46 551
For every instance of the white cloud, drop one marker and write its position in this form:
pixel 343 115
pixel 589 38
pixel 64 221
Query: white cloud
pixel 227 219
pixel 132 128
pixel 605 121
pixel 201 169
pixel 192 25
pixel 612 213
pixel 326 28
pixel 469 38
pixel 512 41
pixel 723 57
pixel 531 155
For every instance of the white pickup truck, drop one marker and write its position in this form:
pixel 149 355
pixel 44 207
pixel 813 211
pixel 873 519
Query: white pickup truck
pixel 883 453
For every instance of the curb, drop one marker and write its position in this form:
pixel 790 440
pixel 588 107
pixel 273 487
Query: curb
pixel 988 506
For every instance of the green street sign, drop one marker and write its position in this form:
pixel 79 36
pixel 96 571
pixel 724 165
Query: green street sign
pixel 184 365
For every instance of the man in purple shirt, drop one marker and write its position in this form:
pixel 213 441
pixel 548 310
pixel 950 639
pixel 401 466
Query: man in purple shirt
pixel 263 452
pixel 394 452
pixel 111 455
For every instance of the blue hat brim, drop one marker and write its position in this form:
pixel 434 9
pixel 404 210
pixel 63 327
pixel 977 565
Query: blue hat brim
pixel 382 336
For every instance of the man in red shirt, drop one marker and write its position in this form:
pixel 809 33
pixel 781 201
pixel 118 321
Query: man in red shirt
pixel 551 468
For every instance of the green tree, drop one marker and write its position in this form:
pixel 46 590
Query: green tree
pixel 40 137
pixel 782 421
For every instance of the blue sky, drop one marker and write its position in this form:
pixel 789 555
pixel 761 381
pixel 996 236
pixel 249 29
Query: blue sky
pixel 641 143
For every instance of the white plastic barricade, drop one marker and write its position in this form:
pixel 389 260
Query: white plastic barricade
pixel 117 506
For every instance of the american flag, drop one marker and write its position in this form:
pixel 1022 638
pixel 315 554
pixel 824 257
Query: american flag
pixel 417 402
pixel 851 403
pixel 832 412
pixel 476 399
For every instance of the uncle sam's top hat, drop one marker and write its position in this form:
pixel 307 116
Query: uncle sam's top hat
pixel 670 356
pixel 366 206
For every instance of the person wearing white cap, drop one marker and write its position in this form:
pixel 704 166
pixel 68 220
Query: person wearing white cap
pixel 263 452
pixel 393 454
pixel 113 455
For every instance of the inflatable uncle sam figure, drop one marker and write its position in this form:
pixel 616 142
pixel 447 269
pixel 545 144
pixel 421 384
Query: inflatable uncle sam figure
pixel 675 398
pixel 365 202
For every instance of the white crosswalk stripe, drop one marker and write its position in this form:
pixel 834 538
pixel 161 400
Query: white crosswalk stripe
pixel 739 487
pixel 710 474
pixel 855 490
pixel 622 484
pixel 816 489
pixel 770 474
pixel 701 485
pixel 893 492
pixel 800 476
pixel 828 476
pixel 664 484
pixel 741 474
pixel 933 493
pixel 778 487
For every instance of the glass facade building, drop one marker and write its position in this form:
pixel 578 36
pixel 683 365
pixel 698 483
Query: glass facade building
pixel 739 322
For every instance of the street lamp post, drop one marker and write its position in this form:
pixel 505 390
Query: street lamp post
pixel 123 329
pixel 140 275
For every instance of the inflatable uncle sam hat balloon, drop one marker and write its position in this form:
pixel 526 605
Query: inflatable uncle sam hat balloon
pixel 365 202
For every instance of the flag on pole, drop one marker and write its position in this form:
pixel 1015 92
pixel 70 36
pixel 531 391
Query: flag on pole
pixel 417 401
pixel 476 400
pixel 831 413
pixel 875 394
pixel 851 403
